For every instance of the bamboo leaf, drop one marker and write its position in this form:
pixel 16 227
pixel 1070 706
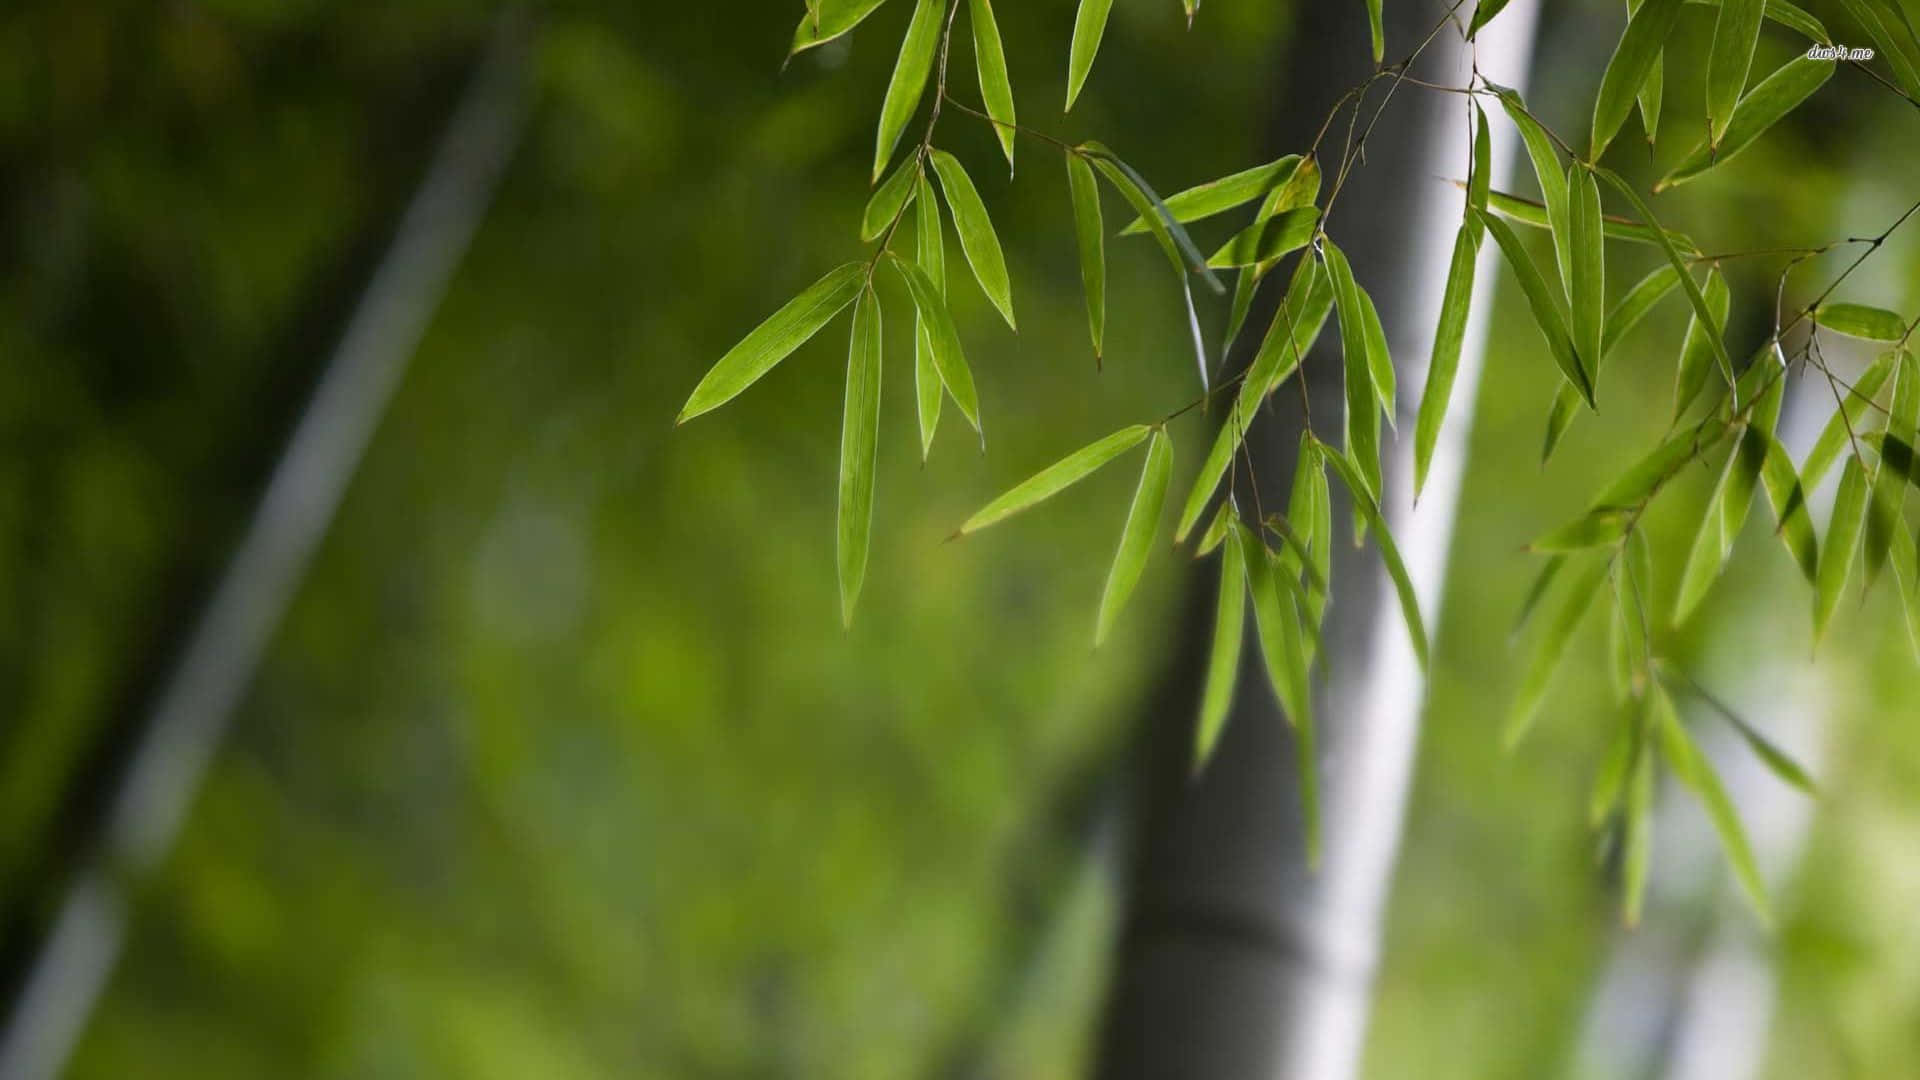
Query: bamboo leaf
pixel 990 63
pixel 930 253
pixel 859 440
pixel 1057 477
pixel 828 19
pixel 1530 213
pixel 1146 202
pixel 1350 475
pixel 775 339
pixel 1218 196
pixel 1223 660
pixel 1787 15
pixel 1546 311
pixel 943 339
pixel 1777 760
pixel 1480 172
pixel 1090 234
pixel 1089 25
pixel 1787 495
pixel 1771 99
pixel 1843 538
pixel 1595 528
pixel 1363 423
pixel 1277 624
pixel 1566 405
pixel 1735 34
pixel 1550 649
pixel 1890 473
pixel 1217 530
pixel 1264 241
pixel 1483 13
pixel 1546 169
pixel 1692 768
pixel 978 241
pixel 1379 360
pixel 889 198
pixel 1726 512
pixel 1696 348
pixel 1586 285
pixel 1639 47
pixel 1245 284
pixel 1694 296
pixel 1639 853
pixel 1136 537
pixel 1375 31
pixel 1611 779
pixel 1542 581
pixel 1906 573
pixel 1634 306
pixel 1445 364
pixel 1833 438
pixel 1652 91
pixel 909 81
pixel 1884 24
pixel 1861 321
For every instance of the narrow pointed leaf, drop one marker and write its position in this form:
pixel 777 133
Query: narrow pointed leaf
pixel 930 253
pixel 1846 420
pixel 1530 213
pixel 1147 203
pixel 1906 573
pixel 1586 286
pixel 1217 530
pixel 1349 475
pixel 990 62
pixel 1787 496
pixel 977 239
pixel 828 19
pixel 888 199
pixel 1726 510
pixel 1546 311
pixel 1546 169
pixel 1375 31
pixel 775 339
pixel 1566 406
pixel 1860 321
pixel 1379 360
pixel 1445 364
pixel 909 81
pixel 1633 307
pixel 1610 782
pixel 1483 13
pixel 1884 25
pixel 1692 769
pixel 1057 477
pixel 1777 760
pixel 1549 572
pixel 944 340
pixel 1089 26
pixel 1639 845
pixel 1843 539
pixel 1734 36
pixel 1639 47
pixel 1223 660
pixel 859 440
pixel 1264 241
pixel 1694 296
pixel 1363 423
pixel 1652 91
pixel 1136 537
pixel 1787 15
pixel 1771 99
pixel 1090 236
pixel 1218 196
pixel 1696 348
pixel 1890 473
pixel 1550 649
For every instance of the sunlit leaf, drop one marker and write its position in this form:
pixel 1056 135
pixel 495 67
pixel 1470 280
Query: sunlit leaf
pixel 1861 321
pixel 990 63
pixel 1445 364
pixel 774 340
pixel 859 439
pixel 1843 539
pixel 889 199
pixel 1735 34
pixel 1090 236
pixel 1363 422
pixel 1771 99
pixel 1586 285
pixel 1550 649
pixel 1089 25
pixel 828 19
pixel 909 81
pixel 1223 660
pixel 1379 360
pixel 944 339
pixel 1218 196
pixel 1172 236
pixel 1136 537
pixel 1640 45
pixel 1547 314
pixel 1264 241
pixel 1726 511
pixel 1696 348
pixel 1057 477
pixel 1217 530
pixel 977 239
pixel 1692 769
pixel 1787 496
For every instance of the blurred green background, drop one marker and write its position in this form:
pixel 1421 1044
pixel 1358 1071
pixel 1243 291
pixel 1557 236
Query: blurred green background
pixel 561 765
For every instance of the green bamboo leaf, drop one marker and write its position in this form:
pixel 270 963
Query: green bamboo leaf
pixel 943 339
pixel 859 440
pixel 1245 284
pixel 1694 296
pixel 1546 169
pixel 990 63
pixel 1136 537
pixel 828 19
pixel 774 340
pixel 1834 437
pixel 909 81
pixel 1595 528
pixel 1884 24
pixel 1586 285
pixel 1548 651
pixel 1634 306
pixel 1218 196
pixel 1906 572
pixel 1692 768
pixel 1639 845
pixel 1696 348
pixel 931 255
pixel 1546 309
pixel 1843 538
pixel 1363 422
pixel 1771 99
pixel 1379 360
pixel 1726 512
pixel 1610 782
pixel 1445 364
pixel 1376 31
pixel 1566 405
pixel 1549 572
pixel 1777 760
pixel 1652 91
pixel 1891 472
pixel 1789 16
pixel 1223 661
pixel 1787 496
pixel 1315 507
pixel 1639 47
pixel 978 241
pixel 1276 621
pixel 1056 477
pixel 1090 234
pixel 1530 213
pixel 1363 500
pixel 1089 25
pixel 1860 321
pixel 889 199
pixel 1265 241
pixel 1172 236
pixel 1217 530
pixel 1483 14
pixel 1735 34
pixel 1480 172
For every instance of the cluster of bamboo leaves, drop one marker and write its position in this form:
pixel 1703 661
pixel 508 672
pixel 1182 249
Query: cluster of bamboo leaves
pixel 1279 564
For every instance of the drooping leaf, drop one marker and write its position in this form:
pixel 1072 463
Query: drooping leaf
pixel 1652 91
pixel 1223 660
pixel 1884 24
pixel 1846 419
pixel 990 62
pixel 859 441
pixel 1264 241
pixel 1172 235
pixel 1375 31
pixel 1136 537
pixel 943 338
pixel 1090 236
pixel 1276 620
pixel 1547 314
pixel 1550 649
pixel 1534 214
pixel 1771 99
pixel 1566 406
pixel 1647 31
pixel 775 339
pixel 1777 760
pixel 1639 846
pixel 1735 34
pixel 1546 169
pixel 1057 477
pixel 1549 571
pixel 889 199
pixel 1696 348
pixel 1445 364
pixel 1483 13
pixel 1860 321
pixel 1906 573
pixel 977 239
pixel 1633 307
pixel 1586 285
pixel 1694 296
pixel 1610 782
pixel 1350 475
pixel 1217 530
pixel 1843 539
pixel 828 19
pixel 1787 15
pixel 931 254
pixel 1787 496
pixel 1692 769
pixel 1888 484
pixel 1363 422
pixel 1218 196
pixel 909 81
pixel 1089 25
pixel 1726 512
pixel 1480 172
pixel 1379 360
